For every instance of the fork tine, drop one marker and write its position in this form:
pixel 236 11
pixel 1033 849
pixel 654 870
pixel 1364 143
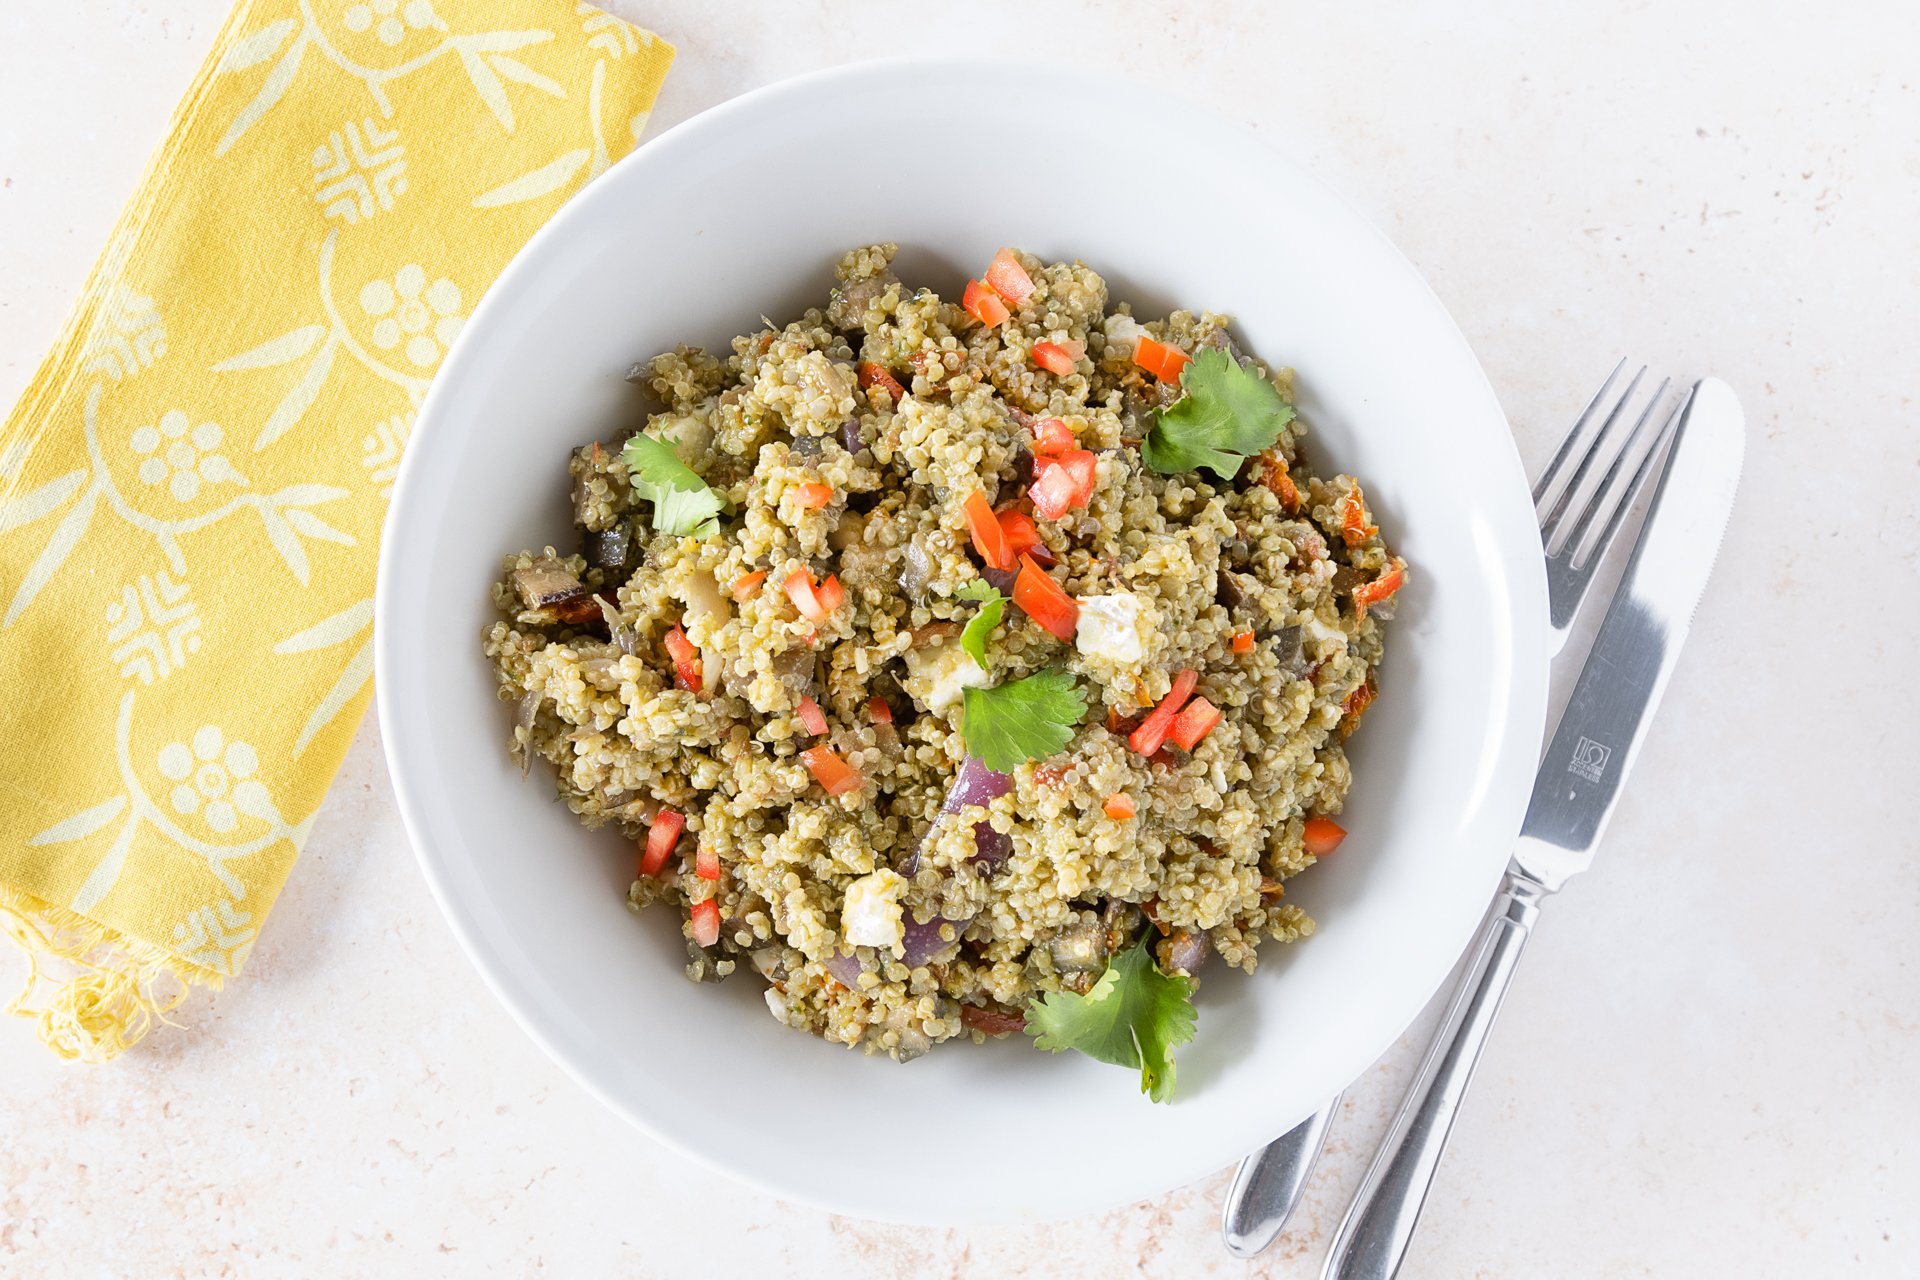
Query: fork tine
pixel 1551 524
pixel 1632 494
pixel 1545 482
pixel 1597 505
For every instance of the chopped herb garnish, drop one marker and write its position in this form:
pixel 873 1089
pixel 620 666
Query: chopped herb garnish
pixel 1227 415
pixel 683 505
pixel 981 624
pixel 1135 1016
pixel 1027 719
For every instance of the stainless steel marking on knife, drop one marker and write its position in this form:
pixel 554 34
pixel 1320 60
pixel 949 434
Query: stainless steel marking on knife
pixel 1589 759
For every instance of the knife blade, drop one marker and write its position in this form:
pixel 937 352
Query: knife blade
pixel 1633 656
pixel 1574 794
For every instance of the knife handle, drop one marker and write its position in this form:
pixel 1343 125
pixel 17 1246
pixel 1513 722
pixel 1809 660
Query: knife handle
pixel 1373 1237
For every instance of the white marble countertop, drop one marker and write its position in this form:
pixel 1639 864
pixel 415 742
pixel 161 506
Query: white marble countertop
pixel 1707 1065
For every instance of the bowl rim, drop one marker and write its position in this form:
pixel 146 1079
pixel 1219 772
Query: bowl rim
pixel 1526 710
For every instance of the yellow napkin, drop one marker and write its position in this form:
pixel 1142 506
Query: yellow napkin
pixel 192 486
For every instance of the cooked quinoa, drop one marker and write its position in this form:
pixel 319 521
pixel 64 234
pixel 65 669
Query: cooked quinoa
pixel 873 917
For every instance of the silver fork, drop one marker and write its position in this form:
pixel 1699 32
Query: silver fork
pixel 1571 509
pixel 1579 520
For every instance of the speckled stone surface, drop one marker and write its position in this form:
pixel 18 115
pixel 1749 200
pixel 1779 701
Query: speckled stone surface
pixel 1707 1063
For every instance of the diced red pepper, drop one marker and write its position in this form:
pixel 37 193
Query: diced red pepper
pixel 1353 518
pixel 812 717
pixel 1195 721
pixel 706 922
pixel 1021 537
pixel 872 375
pixel 983 304
pixel 661 837
pixel 706 863
pixel 1275 476
pixel 748 584
pixel 812 496
pixel 1153 730
pixel 1052 435
pixel 1008 278
pixel 1242 642
pixel 1322 836
pixel 1063 482
pixel 1381 587
pixel 989 539
pixel 1120 806
pixel 878 711
pixel 686 659
pixel 993 1022
pixel 835 775
pixel 1052 489
pixel 1051 775
pixel 1356 706
pixel 800 591
pixel 1161 359
pixel 1044 601
pixel 814 602
pixel 1082 466
pixel 1058 357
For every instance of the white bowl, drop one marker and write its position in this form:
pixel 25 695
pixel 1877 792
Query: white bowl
pixel 741 213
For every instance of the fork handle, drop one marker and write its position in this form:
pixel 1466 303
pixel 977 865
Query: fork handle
pixel 1373 1237
pixel 1269 1184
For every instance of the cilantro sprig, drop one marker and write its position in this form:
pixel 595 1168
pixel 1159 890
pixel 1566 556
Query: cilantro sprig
pixel 683 505
pixel 1227 415
pixel 1026 719
pixel 1135 1016
pixel 992 605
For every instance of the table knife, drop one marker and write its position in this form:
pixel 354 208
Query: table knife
pixel 1574 795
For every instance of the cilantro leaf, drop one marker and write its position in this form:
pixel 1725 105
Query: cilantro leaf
pixel 683 505
pixel 1227 415
pixel 981 624
pixel 1017 720
pixel 1135 1016
pixel 687 513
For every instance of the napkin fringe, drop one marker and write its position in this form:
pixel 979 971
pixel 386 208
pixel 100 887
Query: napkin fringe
pixel 106 990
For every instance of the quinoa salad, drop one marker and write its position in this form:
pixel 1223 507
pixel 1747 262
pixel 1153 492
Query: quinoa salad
pixel 959 668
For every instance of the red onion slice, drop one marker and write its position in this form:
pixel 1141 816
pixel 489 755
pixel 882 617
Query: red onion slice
pixel 975 784
pixel 1000 580
pixel 923 942
pixel 845 965
pixel 990 847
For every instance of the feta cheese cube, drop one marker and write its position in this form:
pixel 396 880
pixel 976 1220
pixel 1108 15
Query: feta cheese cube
pixel 1324 639
pixel 1110 627
pixel 1123 333
pixel 939 674
pixel 871 916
